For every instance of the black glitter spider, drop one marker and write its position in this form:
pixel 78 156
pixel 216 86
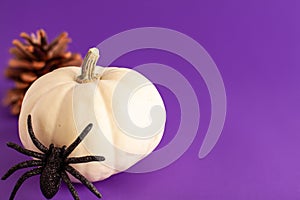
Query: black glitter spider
pixel 52 164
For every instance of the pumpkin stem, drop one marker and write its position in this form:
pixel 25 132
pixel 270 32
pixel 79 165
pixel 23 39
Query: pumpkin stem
pixel 88 66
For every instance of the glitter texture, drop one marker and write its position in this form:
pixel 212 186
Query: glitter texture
pixel 52 165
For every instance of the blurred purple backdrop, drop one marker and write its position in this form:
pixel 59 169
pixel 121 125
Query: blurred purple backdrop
pixel 255 45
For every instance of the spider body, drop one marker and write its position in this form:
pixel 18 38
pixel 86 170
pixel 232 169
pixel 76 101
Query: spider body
pixel 52 165
pixel 50 178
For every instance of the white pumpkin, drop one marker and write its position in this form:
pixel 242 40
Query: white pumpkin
pixel 118 101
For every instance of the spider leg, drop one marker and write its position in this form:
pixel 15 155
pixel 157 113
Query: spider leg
pixel 25 164
pixel 35 141
pixel 67 180
pixel 84 159
pixel 83 180
pixel 25 176
pixel 78 140
pixel 25 151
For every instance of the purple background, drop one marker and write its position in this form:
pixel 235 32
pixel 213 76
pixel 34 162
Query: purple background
pixel 255 45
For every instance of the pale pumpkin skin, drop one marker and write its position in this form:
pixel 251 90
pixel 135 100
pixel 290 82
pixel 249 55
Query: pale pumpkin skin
pixel 61 108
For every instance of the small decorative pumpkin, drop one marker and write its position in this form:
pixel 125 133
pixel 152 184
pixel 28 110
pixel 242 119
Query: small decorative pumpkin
pixel 126 109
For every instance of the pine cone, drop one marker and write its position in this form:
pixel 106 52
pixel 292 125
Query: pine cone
pixel 34 58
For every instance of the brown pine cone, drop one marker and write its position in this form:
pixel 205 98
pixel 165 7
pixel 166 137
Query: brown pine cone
pixel 33 58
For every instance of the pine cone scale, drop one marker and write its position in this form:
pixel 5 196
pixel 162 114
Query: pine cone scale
pixel 21 85
pixel 28 77
pixel 38 65
pixel 17 63
pixel 23 49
